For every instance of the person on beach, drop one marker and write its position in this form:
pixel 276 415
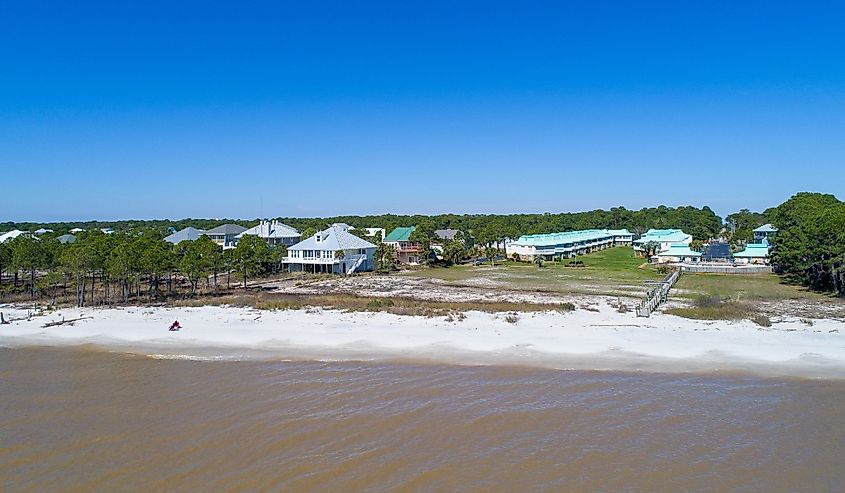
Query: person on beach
pixel 175 326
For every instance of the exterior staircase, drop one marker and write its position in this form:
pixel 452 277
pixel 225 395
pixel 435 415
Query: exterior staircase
pixel 354 267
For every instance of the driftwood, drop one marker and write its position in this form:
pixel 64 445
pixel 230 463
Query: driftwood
pixel 7 321
pixel 63 321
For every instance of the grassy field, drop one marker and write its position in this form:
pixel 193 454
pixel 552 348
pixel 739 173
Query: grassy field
pixel 618 272
pixel 752 287
pixel 615 271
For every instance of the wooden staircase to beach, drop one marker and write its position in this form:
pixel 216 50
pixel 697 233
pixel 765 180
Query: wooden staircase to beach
pixel 658 293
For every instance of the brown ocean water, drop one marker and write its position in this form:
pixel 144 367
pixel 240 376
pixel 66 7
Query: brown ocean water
pixel 85 420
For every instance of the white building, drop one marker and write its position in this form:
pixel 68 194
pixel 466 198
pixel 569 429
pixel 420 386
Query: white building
pixel 665 238
pixel 372 232
pixel 11 235
pixel 678 253
pixel 764 234
pixel 225 235
pixel 566 244
pixel 274 233
pixel 334 250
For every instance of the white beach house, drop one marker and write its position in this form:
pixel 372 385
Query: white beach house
pixel 274 233
pixel 225 235
pixel 333 250
pixel 666 238
pixel 764 234
pixel 754 253
pixel 678 253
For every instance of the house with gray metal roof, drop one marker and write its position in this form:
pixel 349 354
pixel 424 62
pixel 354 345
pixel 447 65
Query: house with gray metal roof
pixel 333 250
pixel 67 238
pixel 225 235
pixel 187 234
pixel 274 233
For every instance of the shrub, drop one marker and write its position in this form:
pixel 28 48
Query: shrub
pixel 376 304
pixel 761 320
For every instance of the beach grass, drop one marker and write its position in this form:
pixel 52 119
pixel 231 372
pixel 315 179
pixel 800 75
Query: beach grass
pixel 717 308
pixel 750 287
pixel 353 303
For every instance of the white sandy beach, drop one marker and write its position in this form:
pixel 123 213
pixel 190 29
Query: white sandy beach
pixel 579 340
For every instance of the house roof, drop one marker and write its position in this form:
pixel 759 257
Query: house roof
pixel 754 250
pixel 663 235
pixel 11 235
pixel 679 250
pixel 41 231
pixel 226 229
pixel 620 232
pixel 445 234
pixel 187 234
pixel 766 228
pixel 400 234
pixel 565 237
pixel 66 238
pixel 271 229
pixel 333 238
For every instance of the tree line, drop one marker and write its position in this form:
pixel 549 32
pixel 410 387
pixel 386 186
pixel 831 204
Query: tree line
pixel 809 246
pixel 702 223
pixel 109 268
pixel 137 263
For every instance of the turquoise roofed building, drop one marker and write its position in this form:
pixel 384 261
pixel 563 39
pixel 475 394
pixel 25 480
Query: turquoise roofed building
pixel 678 253
pixel 407 252
pixel 566 244
pixel 665 238
pixel 754 253
pixel 621 236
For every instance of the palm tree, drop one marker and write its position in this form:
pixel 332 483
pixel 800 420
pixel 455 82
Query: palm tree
pixel 538 260
pixel 491 252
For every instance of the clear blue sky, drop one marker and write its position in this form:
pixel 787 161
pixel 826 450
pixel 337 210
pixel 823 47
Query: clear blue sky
pixel 213 109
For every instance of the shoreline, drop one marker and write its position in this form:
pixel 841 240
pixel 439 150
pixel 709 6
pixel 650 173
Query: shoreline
pixel 604 340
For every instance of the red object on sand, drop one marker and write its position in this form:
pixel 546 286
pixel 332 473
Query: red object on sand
pixel 175 325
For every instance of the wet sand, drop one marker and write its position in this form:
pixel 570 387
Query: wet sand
pixel 75 419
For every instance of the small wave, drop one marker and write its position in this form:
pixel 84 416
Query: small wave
pixel 193 357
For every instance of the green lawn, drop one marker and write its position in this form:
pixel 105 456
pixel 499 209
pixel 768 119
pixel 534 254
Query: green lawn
pixel 618 272
pixel 615 271
pixel 752 287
